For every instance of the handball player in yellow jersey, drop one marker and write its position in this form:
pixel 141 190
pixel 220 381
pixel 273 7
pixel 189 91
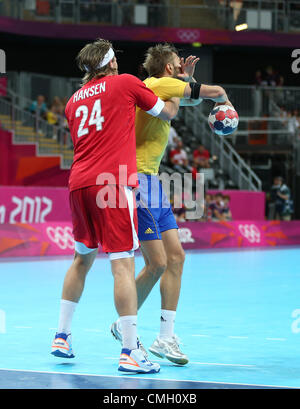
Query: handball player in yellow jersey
pixel 169 77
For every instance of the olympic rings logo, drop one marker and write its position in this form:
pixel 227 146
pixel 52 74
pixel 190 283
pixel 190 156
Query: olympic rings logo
pixel 188 35
pixel 62 237
pixel 250 232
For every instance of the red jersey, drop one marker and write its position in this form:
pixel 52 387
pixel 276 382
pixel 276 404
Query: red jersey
pixel 101 118
pixel 201 155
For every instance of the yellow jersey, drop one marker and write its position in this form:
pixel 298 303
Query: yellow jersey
pixel 152 133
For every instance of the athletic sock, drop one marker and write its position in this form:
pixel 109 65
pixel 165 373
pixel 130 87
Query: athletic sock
pixel 167 320
pixel 129 333
pixel 67 309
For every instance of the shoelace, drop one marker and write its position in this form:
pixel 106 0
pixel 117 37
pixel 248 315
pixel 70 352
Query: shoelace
pixel 145 360
pixel 175 343
pixel 142 348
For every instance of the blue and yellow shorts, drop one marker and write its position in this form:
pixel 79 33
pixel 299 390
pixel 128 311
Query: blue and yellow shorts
pixel 153 208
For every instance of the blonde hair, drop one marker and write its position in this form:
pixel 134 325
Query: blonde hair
pixel 158 57
pixel 91 56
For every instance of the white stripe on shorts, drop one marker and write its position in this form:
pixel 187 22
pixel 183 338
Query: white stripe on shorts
pixel 121 254
pixel 125 254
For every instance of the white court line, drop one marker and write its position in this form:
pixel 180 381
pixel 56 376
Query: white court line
pixel 218 364
pixel 198 363
pixel 237 337
pixel 276 339
pixel 146 377
pixel 193 335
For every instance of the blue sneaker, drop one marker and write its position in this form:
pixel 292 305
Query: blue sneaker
pixel 62 346
pixel 134 361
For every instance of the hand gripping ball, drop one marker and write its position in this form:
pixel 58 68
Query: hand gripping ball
pixel 223 120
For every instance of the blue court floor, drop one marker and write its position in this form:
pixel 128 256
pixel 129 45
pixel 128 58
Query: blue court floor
pixel 238 319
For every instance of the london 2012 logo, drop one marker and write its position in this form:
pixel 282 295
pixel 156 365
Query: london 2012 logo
pixel 2 63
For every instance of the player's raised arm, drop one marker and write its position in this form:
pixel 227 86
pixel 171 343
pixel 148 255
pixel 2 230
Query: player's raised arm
pixel 198 91
pixel 194 92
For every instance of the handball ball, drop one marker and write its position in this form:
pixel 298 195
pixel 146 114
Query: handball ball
pixel 223 120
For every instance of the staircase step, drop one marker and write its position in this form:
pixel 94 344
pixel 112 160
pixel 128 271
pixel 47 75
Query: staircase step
pixel 24 134
pixel 10 122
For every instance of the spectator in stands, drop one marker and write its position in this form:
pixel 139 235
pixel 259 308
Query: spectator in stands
pixel 172 137
pixel 216 207
pixel 201 158
pixel 61 117
pixel 178 157
pixel 258 79
pixel 178 211
pixel 283 113
pixel 281 199
pixel 56 101
pixel 52 115
pixel 292 123
pixel 65 101
pixel 270 76
pixel 226 209
pixel 207 215
pixel 39 106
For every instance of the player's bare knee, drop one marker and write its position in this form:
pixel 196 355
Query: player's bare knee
pixel 176 258
pixel 157 268
pixel 83 262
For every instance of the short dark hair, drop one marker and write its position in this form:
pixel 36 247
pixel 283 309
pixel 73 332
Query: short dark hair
pixel 157 58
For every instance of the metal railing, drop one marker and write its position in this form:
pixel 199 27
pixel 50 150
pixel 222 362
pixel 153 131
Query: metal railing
pixel 28 128
pixel 269 131
pixel 230 161
pixel 262 100
pixel 276 15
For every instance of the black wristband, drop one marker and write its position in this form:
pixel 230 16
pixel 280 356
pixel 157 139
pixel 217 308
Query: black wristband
pixel 195 90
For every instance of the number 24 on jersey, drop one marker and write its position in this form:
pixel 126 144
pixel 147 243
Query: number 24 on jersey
pixel 95 118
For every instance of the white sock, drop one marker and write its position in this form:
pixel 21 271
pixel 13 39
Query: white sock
pixel 67 309
pixel 167 320
pixel 128 327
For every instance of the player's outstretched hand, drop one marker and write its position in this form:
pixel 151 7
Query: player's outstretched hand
pixel 224 103
pixel 188 67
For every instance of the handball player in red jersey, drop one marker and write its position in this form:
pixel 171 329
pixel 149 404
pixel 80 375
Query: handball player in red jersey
pixel 101 118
